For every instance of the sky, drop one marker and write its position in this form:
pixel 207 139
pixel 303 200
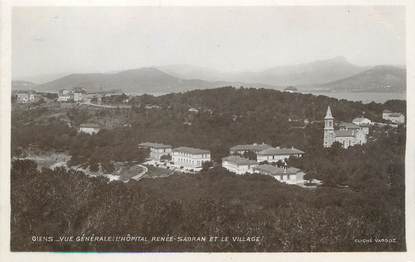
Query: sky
pixel 55 40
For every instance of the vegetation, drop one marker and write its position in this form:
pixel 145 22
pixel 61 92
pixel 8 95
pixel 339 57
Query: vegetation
pixel 362 194
pixel 211 203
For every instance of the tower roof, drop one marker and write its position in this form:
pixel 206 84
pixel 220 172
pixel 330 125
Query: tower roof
pixel 328 113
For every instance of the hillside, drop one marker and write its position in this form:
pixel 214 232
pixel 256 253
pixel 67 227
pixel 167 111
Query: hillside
pixel 316 72
pixel 22 85
pixel 376 79
pixel 137 81
pixel 141 80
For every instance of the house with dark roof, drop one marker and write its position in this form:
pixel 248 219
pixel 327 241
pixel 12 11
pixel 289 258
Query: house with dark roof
pixel 157 151
pixel 276 154
pixel 288 175
pixel 190 158
pixel 241 149
pixel 239 165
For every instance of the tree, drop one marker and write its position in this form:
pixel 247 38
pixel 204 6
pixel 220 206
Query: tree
pixel 206 165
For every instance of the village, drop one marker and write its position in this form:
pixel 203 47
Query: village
pixel 254 158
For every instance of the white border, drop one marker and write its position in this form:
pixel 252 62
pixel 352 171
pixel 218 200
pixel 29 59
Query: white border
pixel 5 80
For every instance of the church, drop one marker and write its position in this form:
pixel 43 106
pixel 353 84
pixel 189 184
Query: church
pixel 347 134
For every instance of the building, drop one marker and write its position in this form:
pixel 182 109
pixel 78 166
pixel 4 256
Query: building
pixel 89 128
pixel 347 134
pixel 288 175
pixel 157 150
pixel 239 165
pixel 24 97
pixel 193 110
pixel 362 121
pixel 241 149
pixel 276 154
pixel 190 158
pixel 78 94
pixel 291 89
pixel 65 95
pixel 397 118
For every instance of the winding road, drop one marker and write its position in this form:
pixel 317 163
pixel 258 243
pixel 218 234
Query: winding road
pixel 138 177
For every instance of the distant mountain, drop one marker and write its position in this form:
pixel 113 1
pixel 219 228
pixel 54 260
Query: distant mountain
pixel 317 72
pixel 22 85
pixel 375 79
pixel 335 74
pixel 40 79
pixel 143 80
pixel 195 72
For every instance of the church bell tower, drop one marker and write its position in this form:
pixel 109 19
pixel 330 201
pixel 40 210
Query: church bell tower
pixel 328 128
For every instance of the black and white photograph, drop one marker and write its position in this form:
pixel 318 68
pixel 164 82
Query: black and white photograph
pixel 220 129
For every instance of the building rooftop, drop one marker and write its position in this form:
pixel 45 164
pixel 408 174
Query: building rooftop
pixel 154 145
pixel 361 119
pixel 395 114
pixel 328 113
pixel 273 170
pixel 191 150
pixel 239 160
pixel 344 133
pixel 280 151
pixel 252 147
pixel 90 125
pixel 348 125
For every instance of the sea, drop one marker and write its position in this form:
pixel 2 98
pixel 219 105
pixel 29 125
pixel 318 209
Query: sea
pixel 364 97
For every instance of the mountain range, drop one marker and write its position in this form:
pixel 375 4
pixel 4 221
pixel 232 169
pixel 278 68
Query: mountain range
pixel 336 75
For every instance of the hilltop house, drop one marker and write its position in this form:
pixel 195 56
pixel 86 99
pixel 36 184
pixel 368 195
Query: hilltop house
pixel 278 154
pixel 24 97
pixel 64 95
pixel 288 175
pixel 77 94
pixel 291 89
pixel 89 128
pixel 241 149
pixel 397 118
pixel 190 158
pixel 157 150
pixel 239 165
pixel 347 134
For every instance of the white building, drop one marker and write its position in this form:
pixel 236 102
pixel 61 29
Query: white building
pixel 24 97
pixel 190 158
pixel 157 151
pixel 65 95
pixel 78 94
pixel 362 121
pixel 276 154
pixel 347 134
pixel 89 128
pixel 288 175
pixel 397 118
pixel 241 149
pixel 239 165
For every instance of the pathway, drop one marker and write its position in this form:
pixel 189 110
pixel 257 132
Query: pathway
pixel 138 177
